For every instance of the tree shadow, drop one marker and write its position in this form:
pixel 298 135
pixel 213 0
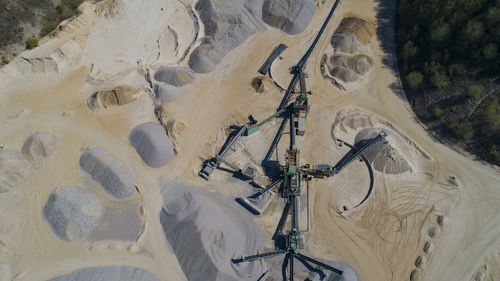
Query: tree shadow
pixel 386 31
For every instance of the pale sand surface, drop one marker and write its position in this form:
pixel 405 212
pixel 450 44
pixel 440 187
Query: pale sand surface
pixel 454 229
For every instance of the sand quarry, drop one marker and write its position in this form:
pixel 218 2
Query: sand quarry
pixel 105 126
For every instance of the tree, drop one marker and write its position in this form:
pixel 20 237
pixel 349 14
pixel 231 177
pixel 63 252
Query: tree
pixel 439 32
pixel 462 130
pixel 491 118
pixel 414 79
pixel 493 16
pixel 440 80
pixel 409 51
pixel 473 31
pixel 474 91
pixel 489 51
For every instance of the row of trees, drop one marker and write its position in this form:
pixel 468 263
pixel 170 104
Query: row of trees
pixel 447 47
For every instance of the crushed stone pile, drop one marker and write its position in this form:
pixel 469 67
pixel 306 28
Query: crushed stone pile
pixel 120 95
pixel 109 273
pixel 40 144
pixel 351 59
pixel 167 93
pixel 349 69
pixel 291 16
pixel 175 75
pixel 105 168
pixel 72 213
pixel 205 236
pixel 227 24
pixel 12 168
pixel 152 143
pixel 384 157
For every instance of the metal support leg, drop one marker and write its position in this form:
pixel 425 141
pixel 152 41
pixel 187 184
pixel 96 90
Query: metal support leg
pixel 291 266
pixel 318 263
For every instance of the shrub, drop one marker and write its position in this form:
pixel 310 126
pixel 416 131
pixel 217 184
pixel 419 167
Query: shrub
pixel 440 80
pixel 473 31
pixel 474 91
pixel 414 79
pixel 61 8
pixel 462 130
pixel 31 43
pixel 437 112
pixel 48 27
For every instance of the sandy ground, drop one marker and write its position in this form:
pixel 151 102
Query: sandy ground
pixel 453 231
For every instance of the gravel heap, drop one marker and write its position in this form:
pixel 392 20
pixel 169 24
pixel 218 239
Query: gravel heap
pixel 205 236
pixel 152 144
pixel 291 16
pixel 109 273
pixel 175 75
pixel 227 24
pixel 114 176
pixel 40 144
pixel 167 93
pixel 72 213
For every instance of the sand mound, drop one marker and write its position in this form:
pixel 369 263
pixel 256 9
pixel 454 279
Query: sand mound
pixel 167 93
pixel 176 76
pixel 291 16
pixel 262 84
pixel 12 168
pixel 40 144
pixel 116 178
pixel 362 29
pixel 109 273
pixel 152 144
pixel 72 213
pixel 227 24
pixel 120 95
pixel 175 128
pixel 205 237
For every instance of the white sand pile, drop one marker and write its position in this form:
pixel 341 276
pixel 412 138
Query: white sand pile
pixel 291 16
pixel 227 24
pixel 114 176
pixel 40 144
pixel 12 168
pixel 152 144
pixel 120 95
pixel 109 273
pixel 206 235
pixel 72 213
pixel 350 56
pixel 176 75
pixel 167 93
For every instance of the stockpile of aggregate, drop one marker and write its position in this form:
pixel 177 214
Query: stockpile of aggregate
pixel 105 168
pixel 205 236
pixel 72 213
pixel 109 273
pixel 291 16
pixel 152 143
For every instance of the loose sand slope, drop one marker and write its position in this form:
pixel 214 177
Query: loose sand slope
pixel 433 215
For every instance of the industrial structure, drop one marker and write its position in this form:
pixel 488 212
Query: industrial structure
pixel 293 177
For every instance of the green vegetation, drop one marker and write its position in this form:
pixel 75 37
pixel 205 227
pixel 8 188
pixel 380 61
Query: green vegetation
pixel 31 43
pixel 5 60
pixel 15 13
pixel 449 56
